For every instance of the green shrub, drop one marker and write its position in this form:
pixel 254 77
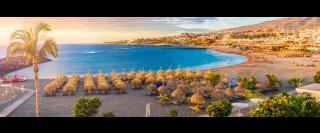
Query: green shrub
pixel 249 82
pixel 273 82
pixel 164 98
pixel 86 107
pixel 108 114
pixel 285 105
pixel 173 112
pixel 316 77
pixel 220 108
pixel 214 78
pixel 248 94
pixel 296 81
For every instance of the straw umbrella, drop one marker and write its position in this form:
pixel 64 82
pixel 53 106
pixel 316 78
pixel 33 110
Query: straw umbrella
pixel 198 100
pixel 142 72
pixel 188 70
pixel 171 85
pixel 152 87
pixel 217 94
pixel 150 74
pixel 150 79
pixel 136 83
pixel 179 94
pixel 120 86
pixel 162 89
pixel 198 74
pixel 123 75
pixel 131 75
pixel 179 73
pixel 160 79
pixel 190 75
pixel 238 89
pixel 160 72
pixel 169 71
pixel 229 92
pixel 258 86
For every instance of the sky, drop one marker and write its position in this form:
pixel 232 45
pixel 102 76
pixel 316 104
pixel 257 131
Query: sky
pixel 76 30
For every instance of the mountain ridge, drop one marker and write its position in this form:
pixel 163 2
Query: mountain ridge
pixel 282 24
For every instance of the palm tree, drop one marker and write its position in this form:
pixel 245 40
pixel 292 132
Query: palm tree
pixel 25 43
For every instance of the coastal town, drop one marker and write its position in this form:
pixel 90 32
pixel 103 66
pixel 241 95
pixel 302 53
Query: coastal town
pixel 281 64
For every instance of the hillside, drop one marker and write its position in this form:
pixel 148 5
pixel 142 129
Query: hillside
pixel 284 24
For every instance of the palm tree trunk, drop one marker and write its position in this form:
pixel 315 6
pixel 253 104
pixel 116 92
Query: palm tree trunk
pixel 36 84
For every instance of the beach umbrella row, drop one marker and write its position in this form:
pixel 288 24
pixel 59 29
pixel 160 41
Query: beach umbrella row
pixel 54 85
pixel 72 84
pixel 89 84
pixel 102 84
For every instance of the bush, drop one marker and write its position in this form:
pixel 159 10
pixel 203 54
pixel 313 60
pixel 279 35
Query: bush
pixel 220 108
pixel 173 112
pixel 164 98
pixel 213 78
pixel 316 77
pixel 285 105
pixel 296 81
pixel 86 107
pixel 248 82
pixel 273 82
pixel 108 114
pixel 248 94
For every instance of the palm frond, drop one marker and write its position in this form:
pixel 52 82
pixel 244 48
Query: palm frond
pixel 15 49
pixel 49 48
pixel 20 35
pixel 41 27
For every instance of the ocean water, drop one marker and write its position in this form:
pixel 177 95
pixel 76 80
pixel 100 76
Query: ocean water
pixel 93 58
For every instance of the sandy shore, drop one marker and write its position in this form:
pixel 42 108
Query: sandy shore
pixel 260 64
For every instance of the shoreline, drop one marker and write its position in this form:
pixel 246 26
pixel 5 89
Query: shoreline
pixel 251 57
pixel 14 64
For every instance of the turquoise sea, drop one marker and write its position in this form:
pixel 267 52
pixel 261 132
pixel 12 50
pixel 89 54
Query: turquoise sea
pixel 82 59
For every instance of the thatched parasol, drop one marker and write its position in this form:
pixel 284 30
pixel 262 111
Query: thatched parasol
pixel 152 87
pixel 150 73
pixel 142 72
pixel 238 89
pixel 217 95
pixel 208 74
pixel 150 80
pixel 160 78
pixel 136 83
pixel 189 75
pixel 120 85
pixel 170 77
pixel 170 84
pixel 225 80
pixel 169 71
pixel 162 89
pixel 178 93
pixel 229 92
pixel 198 74
pixel 197 99
pixel 131 75
pixel 179 70
pixel 188 70
pixel 160 72
pixel 258 86
pixel 240 83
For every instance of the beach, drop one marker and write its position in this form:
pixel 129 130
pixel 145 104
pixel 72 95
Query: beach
pixel 260 64
pixel 133 103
